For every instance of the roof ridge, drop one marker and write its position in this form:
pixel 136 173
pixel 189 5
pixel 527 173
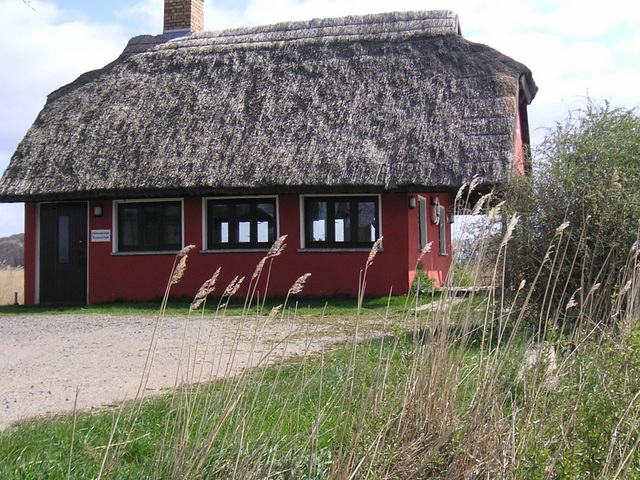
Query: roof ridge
pixel 396 24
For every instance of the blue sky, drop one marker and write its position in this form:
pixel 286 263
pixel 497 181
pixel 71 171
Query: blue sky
pixel 575 48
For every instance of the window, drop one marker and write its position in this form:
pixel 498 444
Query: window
pixel 63 239
pixel 442 231
pixel 241 223
pixel 438 217
pixel 341 222
pixel 149 226
pixel 422 221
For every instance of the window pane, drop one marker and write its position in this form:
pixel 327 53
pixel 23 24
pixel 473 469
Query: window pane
pixel 129 226
pixel 172 233
pixel 243 222
pixel 219 223
pixel 318 220
pixel 422 221
pixel 63 239
pixel 151 231
pixel 367 221
pixel 224 232
pixel 342 221
pixel 150 226
pixel 442 231
pixel 266 224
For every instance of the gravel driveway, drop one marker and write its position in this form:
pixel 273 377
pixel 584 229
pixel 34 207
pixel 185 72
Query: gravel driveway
pixel 45 359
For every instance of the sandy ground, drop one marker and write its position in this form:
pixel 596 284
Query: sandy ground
pixel 46 359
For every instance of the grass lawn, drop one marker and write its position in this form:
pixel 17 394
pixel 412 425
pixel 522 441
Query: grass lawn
pixel 316 306
pixel 483 389
pixel 290 417
pixel 448 400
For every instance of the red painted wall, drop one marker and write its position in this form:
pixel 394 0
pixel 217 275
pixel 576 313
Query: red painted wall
pixel 435 265
pixel 113 276
pixel 30 246
pixel 519 159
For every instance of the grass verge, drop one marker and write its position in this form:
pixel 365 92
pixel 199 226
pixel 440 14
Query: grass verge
pixel 494 387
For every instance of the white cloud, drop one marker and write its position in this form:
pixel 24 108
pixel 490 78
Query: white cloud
pixel 11 214
pixel 590 18
pixel 273 11
pixel 218 17
pixel 578 19
pixel 41 51
pixel 44 50
pixel 147 15
pixel 553 57
pixel 269 11
pixel 631 45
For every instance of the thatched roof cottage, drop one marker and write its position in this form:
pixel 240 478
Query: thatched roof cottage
pixel 335 132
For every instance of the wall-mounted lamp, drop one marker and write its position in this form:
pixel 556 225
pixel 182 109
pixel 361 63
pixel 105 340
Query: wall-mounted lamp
pixel 412 202
pixel 451 217
pixel 97 210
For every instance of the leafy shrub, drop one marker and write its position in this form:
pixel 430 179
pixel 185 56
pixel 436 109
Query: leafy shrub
pixel 421 282
pixel 461 277
pixel 583 200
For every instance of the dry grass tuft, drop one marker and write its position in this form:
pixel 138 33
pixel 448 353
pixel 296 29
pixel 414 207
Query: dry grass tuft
pixel 495 387
pixel 11 282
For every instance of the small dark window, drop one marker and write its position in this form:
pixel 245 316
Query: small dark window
pixel 341 222
pixel 149 226
pixel 63 239
pixel 422 221
pixel 442 231
pixel 241 223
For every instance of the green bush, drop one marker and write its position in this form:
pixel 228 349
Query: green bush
pixel 461 276
pixel 422 282
pixel 583 200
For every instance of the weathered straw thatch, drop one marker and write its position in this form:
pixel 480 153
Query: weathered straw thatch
pixel 393 102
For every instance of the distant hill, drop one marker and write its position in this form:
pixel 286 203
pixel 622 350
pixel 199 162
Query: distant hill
pixel 12 250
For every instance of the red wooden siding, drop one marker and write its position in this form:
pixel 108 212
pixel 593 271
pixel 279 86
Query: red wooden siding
pixel 30 247
pixel 113 276
pixel 435 265
pixel 519 160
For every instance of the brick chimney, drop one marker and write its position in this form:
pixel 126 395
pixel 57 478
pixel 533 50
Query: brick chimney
pixel 183 17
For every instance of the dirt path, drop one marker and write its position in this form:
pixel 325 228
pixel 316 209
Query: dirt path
pixel 45 359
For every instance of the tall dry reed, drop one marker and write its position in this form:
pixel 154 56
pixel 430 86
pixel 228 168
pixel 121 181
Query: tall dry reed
pixel 11 285
pixel 495 387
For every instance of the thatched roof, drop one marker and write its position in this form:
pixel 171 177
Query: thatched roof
pixel 392 102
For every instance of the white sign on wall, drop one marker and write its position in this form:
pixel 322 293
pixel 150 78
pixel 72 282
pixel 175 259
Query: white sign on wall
pixel 100 235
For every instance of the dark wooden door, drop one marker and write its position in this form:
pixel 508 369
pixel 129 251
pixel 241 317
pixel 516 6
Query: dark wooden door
pixel 63 253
